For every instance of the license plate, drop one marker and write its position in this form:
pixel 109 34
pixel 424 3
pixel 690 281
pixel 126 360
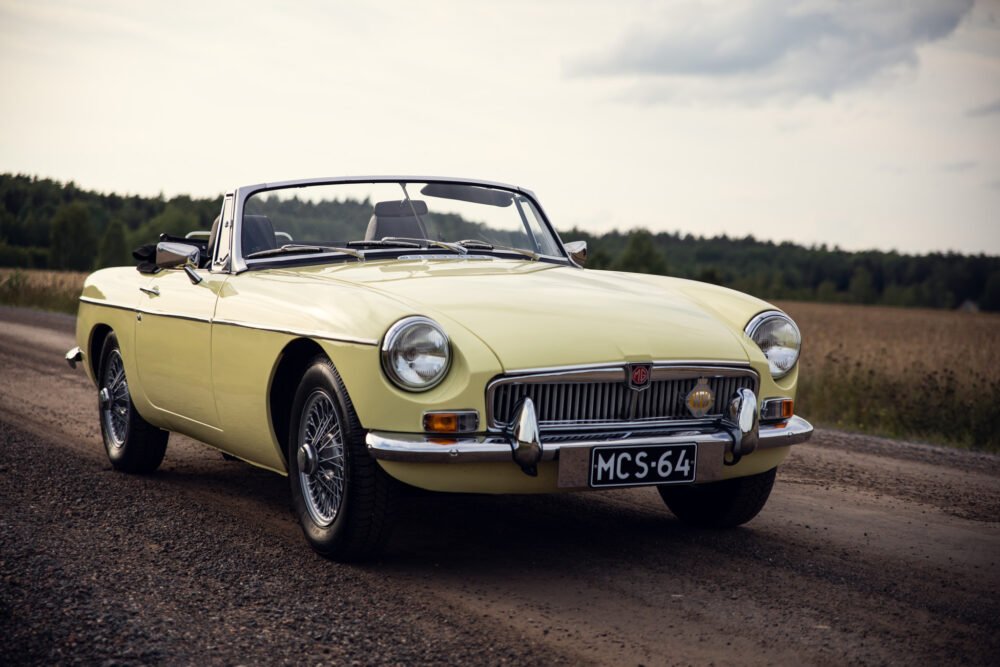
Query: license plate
pixel 644 465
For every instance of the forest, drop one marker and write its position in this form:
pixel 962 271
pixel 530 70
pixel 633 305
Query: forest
pixel 46 224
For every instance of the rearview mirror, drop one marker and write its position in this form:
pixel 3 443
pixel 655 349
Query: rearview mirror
pixel 577 251
pixel 171 255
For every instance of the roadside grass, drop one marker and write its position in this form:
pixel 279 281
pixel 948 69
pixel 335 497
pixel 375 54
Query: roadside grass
pixel 912 373
pixel 924 374
pixel 46 290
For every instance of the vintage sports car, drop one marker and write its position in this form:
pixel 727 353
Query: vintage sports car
pixel 361 334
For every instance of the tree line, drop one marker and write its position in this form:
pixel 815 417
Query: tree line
pixel 48 224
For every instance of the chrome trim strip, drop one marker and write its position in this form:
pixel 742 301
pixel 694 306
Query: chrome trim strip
pixel 616 372
pixel 98 302
pixel 246 325
pixel 160 313
pixel 421 448
pixel 142 311
pixel 699 363
pixel 300 332
pixel 761 317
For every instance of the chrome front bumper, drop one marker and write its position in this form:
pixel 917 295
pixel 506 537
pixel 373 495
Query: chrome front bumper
pixel 425 448
pixel 73 357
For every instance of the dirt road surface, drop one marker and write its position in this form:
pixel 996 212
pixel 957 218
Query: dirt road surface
pixel 869 551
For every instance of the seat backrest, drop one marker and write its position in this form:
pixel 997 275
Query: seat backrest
pixel 396 218
pixel 258 234
pixel 213 237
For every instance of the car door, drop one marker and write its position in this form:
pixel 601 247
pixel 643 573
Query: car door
pixel 173 335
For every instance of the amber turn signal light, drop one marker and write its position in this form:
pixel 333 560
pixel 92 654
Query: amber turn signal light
pixel 777 409
pixel 459 421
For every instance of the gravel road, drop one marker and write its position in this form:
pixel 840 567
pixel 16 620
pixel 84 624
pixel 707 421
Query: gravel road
pixel 869 551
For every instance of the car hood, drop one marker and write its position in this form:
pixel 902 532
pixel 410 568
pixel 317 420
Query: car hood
pixel 534 315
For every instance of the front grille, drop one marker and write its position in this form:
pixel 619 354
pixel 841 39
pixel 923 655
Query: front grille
pixel 568 400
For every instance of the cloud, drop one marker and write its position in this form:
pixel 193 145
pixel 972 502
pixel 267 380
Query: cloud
pixel 776 47
pixel 985 110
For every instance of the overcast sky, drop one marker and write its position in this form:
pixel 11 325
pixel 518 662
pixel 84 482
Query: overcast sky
pixel 866 125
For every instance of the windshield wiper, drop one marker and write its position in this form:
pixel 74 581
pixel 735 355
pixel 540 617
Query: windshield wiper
pixel 292 248
pixel 473 243
pixel 388 242
pixel 422 243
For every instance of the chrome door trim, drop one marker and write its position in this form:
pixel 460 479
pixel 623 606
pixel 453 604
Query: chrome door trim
pixel 300 332
pixel 246 325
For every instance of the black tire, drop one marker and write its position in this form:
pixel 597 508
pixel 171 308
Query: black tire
pixel 724 504
pixel 132 444
pixel 356 526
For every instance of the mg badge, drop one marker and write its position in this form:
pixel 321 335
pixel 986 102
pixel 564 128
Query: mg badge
pixel 700 399
pixel 639 375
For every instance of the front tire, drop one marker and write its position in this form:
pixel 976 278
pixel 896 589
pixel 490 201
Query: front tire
pixel 132 444
pixel 344 501
pixel 725 504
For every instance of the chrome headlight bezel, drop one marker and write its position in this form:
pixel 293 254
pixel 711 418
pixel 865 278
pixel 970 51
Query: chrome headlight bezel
pixel 390 348
pixel 756 326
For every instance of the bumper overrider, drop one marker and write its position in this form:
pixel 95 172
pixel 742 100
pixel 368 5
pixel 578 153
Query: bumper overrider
pixel 731 438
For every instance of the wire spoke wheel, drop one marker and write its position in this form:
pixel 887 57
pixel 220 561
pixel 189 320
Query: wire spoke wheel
pixel 322 466
pixel 116 404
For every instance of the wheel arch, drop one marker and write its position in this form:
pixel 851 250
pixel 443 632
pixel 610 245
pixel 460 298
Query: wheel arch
pixel 292 363
pixel 98 334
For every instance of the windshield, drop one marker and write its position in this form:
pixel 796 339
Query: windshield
pixel 369 219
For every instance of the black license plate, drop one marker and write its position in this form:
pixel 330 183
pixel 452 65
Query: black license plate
pixel 643 465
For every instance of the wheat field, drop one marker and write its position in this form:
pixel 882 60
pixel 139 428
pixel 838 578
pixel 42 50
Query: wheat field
pixel 917 373
pixel 48 290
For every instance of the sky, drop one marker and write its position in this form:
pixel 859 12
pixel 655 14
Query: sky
pixel 869 124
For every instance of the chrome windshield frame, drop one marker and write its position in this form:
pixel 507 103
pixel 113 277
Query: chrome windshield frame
pixel 238 263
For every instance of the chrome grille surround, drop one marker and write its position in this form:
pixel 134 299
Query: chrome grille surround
pixel 597 397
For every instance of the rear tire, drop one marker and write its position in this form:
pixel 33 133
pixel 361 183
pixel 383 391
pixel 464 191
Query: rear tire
pixel 133 445
pixel 344 501
pixel 724 504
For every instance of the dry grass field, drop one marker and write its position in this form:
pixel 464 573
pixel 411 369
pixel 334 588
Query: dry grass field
pixel 48 290
pixel 907 372
pixel 925 374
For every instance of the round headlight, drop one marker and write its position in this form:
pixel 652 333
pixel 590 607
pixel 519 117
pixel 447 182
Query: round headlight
pixel 416 353
pixel 778 338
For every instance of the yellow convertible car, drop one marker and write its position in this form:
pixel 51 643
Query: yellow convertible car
pixel 358 334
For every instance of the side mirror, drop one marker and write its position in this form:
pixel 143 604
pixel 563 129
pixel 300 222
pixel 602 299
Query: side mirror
pixel 577 251
pixel 171 255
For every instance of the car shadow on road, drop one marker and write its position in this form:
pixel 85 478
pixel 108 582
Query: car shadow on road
pixel 484 532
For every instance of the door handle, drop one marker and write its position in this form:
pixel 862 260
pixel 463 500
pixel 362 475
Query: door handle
pixel 151 291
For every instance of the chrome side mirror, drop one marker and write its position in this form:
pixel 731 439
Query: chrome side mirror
pixel 171 255
pixel 577 251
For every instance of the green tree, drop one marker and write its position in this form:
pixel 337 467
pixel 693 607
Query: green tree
pixel 174 220
pixel 113 251
pixel 862 288
pixel 991 293
pixel 826 291
pixel 599 259
pixel 710 275
pixel 73 243
pixel 641 255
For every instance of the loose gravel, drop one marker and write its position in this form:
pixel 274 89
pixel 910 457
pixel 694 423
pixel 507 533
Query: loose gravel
pixel 100 567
